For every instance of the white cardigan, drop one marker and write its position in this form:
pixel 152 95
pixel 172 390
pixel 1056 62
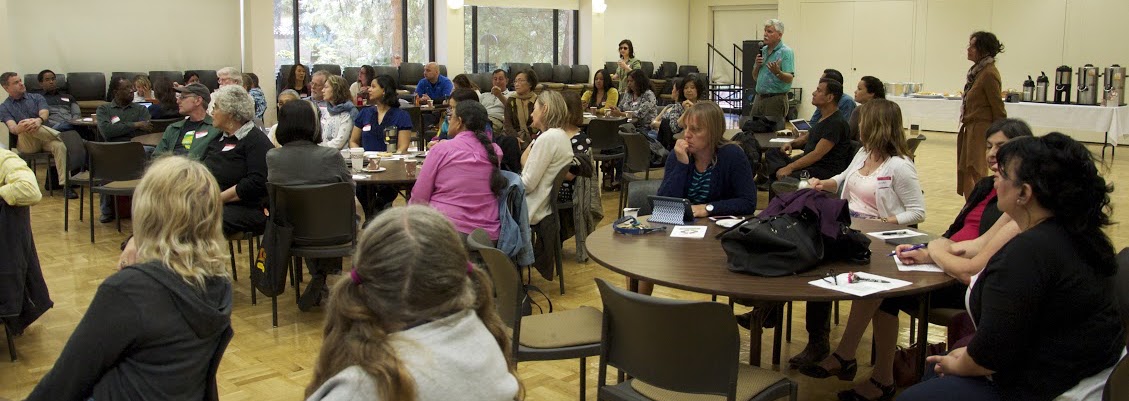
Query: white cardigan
pixel 903 199
pixel 336 130
pixel 548 154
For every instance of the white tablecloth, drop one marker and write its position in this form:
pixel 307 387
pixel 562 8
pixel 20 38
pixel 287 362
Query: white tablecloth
pixel 943 115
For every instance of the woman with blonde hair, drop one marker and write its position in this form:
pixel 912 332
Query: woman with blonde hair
pixel 415 320
pixel 546 155
pixel 714 174
pixel 156 329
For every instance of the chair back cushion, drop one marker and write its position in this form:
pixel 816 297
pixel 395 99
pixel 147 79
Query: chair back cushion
pixel 562 74
pixel 333 69
pixel 87 85
pixel 116 161
pixel 580 74
pixel 321 214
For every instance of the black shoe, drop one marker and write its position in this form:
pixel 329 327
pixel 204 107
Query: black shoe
pixel 814 352
pixel 852 395
pixel 774 314
pixel 846 371
pixel 312 296
pixel 105 219
pixel 70 194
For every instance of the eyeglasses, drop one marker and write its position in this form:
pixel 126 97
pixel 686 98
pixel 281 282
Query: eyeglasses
pixel 623 48
pixel 831 277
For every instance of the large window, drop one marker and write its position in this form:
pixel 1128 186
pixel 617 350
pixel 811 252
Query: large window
pixel 499 35
pixel 352 33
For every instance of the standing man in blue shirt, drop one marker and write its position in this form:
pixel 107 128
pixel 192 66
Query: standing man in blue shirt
pixel 25 115
pixel 774 69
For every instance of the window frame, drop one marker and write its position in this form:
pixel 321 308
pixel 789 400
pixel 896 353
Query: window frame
pixel 556 38
pixel 296 24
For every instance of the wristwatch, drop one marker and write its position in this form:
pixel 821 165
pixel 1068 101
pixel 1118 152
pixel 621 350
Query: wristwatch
pixel 709 208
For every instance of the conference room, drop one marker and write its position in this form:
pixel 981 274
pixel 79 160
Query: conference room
pixel 588 302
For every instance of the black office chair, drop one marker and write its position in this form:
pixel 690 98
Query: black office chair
pixel 333 69
pixel 115 170
pixel 324 220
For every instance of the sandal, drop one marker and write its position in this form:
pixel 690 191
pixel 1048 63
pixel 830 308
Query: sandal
pixel 846 371
pixel 852 395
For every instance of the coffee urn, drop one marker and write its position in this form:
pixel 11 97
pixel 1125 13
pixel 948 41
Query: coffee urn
pixel 1041 85
pixel 1088 89
pixel 1063 76
pixel 1028 90
pixel 1115 86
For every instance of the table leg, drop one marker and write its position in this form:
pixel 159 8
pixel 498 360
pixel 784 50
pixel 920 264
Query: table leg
pixel 922 332
pixel 756 330
pixel 633 285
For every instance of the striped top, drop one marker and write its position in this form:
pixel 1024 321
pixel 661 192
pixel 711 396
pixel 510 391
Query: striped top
pixel 699 185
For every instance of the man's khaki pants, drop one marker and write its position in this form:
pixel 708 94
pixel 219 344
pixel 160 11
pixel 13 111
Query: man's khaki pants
pixel 45 139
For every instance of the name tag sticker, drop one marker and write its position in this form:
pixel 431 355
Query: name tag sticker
pixel 228 147
pixel 367 128
pixel 65 99
pixel 201 133
pixel 885 182
pixel 114 120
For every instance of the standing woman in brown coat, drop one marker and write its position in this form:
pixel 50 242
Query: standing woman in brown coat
pixel 981 106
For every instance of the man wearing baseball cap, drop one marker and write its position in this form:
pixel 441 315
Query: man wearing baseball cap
pixel 191 135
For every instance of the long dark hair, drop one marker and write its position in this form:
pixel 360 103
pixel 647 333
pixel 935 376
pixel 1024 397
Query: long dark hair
pixel 389 85
pixel 293 75
pixel 642 84
pixel 607 80
pixel 630 48
pixel 1065 180
pixel 368 72
pixel 475 119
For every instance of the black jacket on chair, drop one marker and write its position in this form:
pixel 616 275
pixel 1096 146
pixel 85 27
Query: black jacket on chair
pixel 23 293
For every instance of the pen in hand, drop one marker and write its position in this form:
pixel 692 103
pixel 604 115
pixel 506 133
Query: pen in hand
pixel 912 248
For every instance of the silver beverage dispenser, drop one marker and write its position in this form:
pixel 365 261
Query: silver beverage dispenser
pixel 1088 89
pixel 1063 77
pixel 1028 90
pixel 1114 86
pixel 1041 85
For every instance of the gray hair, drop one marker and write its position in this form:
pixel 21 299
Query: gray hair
pixel 231 73
pixel 322 73
pixel 776 24
pixel 234 100
pixel 290 92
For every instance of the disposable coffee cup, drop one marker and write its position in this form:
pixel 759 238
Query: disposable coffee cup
pixel 630 212
pixel 410 167
pixel 356 153
pixel 358 163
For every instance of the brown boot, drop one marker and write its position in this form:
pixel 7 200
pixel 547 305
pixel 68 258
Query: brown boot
pixel 818 348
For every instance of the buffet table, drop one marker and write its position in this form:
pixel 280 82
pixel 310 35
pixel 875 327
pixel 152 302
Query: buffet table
pixel 1112 123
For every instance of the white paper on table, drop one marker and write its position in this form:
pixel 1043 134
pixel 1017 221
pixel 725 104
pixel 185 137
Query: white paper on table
pixel 360 177
pixel 780 140
pixel 861 288
pixel 688 232
pixel 896 233
pixel 924 267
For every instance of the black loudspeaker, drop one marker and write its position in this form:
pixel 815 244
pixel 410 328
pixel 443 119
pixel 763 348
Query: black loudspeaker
pixel 749 51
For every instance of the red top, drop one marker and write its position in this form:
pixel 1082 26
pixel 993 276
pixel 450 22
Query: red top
pixel 971 228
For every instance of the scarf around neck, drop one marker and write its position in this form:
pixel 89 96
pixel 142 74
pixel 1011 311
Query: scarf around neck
pixel 347 106
pixel 975 70
pixel 523 111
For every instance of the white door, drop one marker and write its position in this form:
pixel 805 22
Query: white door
pixel 731 26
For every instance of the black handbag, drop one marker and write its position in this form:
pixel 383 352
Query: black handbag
pixel 776 246
pixel 273 262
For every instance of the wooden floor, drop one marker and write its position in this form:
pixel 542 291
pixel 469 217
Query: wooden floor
pixel 265 363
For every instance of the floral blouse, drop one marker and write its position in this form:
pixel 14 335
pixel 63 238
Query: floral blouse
pixel 644 107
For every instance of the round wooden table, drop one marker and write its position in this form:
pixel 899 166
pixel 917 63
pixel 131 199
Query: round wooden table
pixel 152 139
pixel 395 176
pixel 699 265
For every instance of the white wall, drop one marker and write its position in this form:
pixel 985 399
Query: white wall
pixel 656 28
pixel 1037 35
pixel 122 35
